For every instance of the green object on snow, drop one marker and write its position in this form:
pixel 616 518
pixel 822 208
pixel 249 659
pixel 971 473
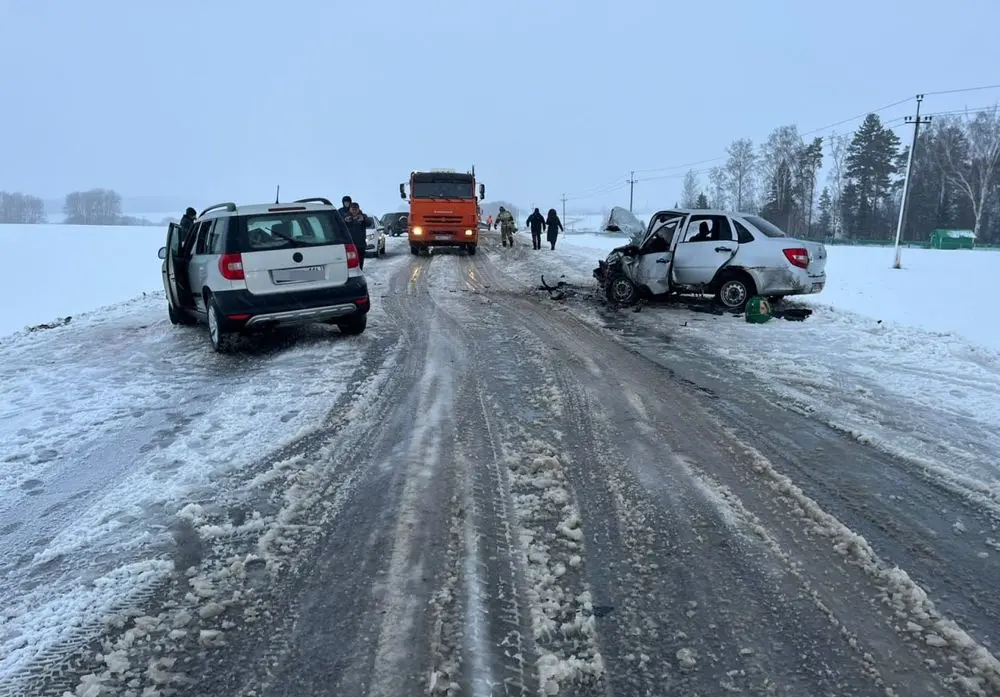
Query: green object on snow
pixel 758 310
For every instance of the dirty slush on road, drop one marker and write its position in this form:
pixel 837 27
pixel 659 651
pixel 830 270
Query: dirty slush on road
pixel 510 502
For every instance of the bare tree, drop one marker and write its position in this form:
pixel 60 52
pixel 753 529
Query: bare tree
pixel 836 180
pixel 740 173
pixel 690 190
pixel 717 180
pixel 18 208
pixel 970 156
pixel 93 207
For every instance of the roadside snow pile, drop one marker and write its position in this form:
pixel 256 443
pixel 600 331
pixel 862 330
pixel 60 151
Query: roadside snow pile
pixel 550 535
pixel 207 604
pixel 83 249
pixel 910 603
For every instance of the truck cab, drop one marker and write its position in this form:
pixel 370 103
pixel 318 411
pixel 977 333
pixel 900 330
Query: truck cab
pixel 444 210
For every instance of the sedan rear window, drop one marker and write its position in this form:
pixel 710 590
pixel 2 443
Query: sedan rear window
pixel 765 226
pixel 288 230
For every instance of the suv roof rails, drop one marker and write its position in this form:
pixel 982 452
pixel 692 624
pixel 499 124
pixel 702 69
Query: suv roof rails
pixel 316 199
pixel 229 206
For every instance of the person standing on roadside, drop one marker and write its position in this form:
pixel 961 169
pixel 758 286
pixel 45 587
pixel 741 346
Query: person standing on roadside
pixel 535 223
pixel 345 209
pixel 187 222
pixel 507 227
pixel 357 224
pixel 554 225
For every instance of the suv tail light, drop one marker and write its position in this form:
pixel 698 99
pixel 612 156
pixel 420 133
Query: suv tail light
pixel 797 256
pixel 353 261
pixel 231 267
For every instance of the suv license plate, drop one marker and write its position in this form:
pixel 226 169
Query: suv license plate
pixel 817 287
pixel 300 275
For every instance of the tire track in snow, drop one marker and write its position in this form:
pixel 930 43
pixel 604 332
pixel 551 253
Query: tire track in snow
pixel 682 421
pixel 517 391
pixel 497 645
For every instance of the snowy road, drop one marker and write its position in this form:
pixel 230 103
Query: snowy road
pixel 497 498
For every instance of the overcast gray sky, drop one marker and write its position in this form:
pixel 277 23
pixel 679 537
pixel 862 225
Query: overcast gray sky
pixel 223 99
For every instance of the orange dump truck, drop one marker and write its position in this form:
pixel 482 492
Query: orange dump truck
pixel 444 210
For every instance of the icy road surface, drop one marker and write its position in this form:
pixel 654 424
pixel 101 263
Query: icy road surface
pixel 489 497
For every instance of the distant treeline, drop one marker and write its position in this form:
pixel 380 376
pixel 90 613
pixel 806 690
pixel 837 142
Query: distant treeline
pixel 93 207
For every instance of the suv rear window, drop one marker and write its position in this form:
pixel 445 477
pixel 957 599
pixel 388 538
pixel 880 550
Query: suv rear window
pixel 288 230
pixel 765 226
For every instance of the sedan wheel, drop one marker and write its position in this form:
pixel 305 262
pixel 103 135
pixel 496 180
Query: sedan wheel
pixel 734 293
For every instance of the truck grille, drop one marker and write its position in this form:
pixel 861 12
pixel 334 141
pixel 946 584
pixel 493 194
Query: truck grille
pixel 443 219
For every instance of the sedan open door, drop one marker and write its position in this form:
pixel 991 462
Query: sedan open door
pixel 707 245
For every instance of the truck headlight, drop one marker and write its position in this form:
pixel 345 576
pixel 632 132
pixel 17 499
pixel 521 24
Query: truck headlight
pixel 468 233
pixel 418 230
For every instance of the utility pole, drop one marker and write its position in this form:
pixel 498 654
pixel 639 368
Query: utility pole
pixel 901 223
pixel 564 209
pixel 631 187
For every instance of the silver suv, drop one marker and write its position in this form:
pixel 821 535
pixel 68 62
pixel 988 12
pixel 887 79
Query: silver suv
pixel 246 268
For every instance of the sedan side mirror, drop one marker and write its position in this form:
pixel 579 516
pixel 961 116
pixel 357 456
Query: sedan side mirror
pixel 162 254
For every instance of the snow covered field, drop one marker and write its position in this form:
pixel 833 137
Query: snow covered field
pixel 54 271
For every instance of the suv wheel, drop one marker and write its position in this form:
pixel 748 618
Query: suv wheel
pixel 355 325
pixel 221 340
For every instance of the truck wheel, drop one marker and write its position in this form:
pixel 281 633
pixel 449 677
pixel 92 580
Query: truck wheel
pixel 621 290
pixel 414 250
pixel 472 250
pixel 735 291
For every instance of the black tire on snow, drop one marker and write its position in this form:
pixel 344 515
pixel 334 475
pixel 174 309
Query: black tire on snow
pixel 621 290
pixel 472 250
pixel 414 250
pixel 354 325
pixel 735 291
pixel 178 317
pixel 222 342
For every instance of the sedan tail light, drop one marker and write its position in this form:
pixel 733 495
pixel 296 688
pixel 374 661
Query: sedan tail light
pixel 797 256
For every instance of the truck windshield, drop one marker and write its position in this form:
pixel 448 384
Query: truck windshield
pixel 442 189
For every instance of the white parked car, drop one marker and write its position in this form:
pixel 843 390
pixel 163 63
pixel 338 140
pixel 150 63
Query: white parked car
pixel 375 238
pixel 733 256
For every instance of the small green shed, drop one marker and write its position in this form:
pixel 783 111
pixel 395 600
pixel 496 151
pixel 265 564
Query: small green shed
pixel 953 239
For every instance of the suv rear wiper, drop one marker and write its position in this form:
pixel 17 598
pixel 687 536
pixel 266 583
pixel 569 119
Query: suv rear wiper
pixel 287 239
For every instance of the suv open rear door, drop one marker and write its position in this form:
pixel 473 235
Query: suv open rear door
pixel 171 268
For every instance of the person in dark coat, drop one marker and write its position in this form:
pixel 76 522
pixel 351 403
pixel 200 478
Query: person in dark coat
pixel 536 222
pixel 187 222
pixel 345 209
pixel 554 225
pixel 357 224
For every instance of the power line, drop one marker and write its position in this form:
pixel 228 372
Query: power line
pixel 964 89
pixel 631 181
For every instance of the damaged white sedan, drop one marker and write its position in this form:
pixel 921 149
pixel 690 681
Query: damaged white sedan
pixel 732 256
